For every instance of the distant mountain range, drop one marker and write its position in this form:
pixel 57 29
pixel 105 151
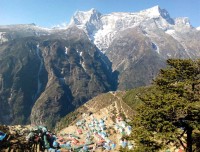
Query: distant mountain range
pixel 47 73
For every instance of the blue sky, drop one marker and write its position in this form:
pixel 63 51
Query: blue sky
pixel 48 13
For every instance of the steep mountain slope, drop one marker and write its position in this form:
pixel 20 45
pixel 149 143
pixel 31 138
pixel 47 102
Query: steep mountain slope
pixel 19 65
pixel 132 57
pixel 48 77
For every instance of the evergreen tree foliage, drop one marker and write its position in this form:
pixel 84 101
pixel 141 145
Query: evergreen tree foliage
pixel 171 111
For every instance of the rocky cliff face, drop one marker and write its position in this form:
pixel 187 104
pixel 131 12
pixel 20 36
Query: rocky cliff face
pixel 19 66
pixel 43 79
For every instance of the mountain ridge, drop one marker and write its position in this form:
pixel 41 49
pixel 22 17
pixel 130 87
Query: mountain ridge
pixel 108 24
pixel 57 70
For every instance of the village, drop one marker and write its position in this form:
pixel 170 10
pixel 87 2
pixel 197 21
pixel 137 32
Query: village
pixel 95 133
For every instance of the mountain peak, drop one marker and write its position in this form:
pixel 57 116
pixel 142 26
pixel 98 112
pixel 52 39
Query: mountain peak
pixel 152 12
pixel 154 9
pixel 89 12
pixel 183 22
pixel 82 17
pixel 93 10
pixel 156 12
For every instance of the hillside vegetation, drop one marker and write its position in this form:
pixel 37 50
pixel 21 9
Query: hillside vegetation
pixel 164 115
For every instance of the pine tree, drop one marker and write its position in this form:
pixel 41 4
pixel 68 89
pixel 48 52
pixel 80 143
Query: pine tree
pixel 171 110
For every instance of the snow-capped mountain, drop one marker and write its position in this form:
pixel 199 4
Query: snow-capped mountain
pixel 62 68
pixel 138 43
pixel 102 29
pixel 86 20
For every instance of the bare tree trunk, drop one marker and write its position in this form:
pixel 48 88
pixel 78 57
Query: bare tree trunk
pixel 189 139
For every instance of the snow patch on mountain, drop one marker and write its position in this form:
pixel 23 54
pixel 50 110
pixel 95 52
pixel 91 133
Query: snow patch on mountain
pixel 66 50
pixel 170 32
pixel 174 34
pixel 182 23
pixel 3 37
pixel 155 47
pixel 83 65
pixel 80 53
pixel 39 83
